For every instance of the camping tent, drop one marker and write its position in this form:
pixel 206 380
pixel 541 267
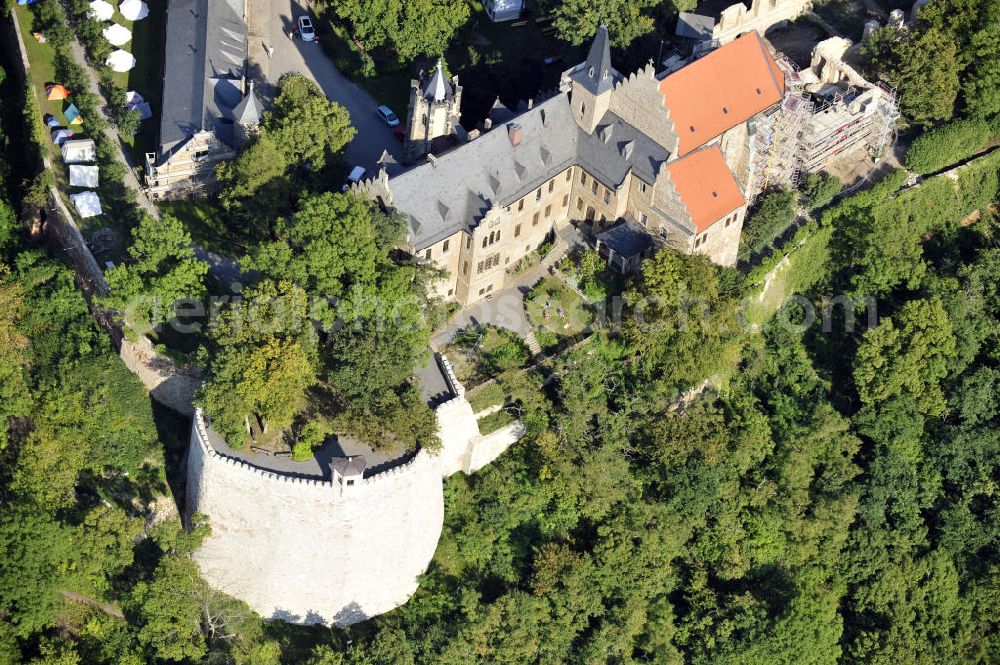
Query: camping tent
pixel 87 204
pixel 117 34
pixel 50 120
pixel 82 176
pixel 133 10
pixel 79 151
pixel 120 61
pixel 133 99
pixel 101 10
pixel 55 91
pixel 145 110
pixel 73 116
pixel 60 136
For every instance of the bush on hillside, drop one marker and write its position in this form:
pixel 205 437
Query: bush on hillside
pixel 947 144
pixel 774 213
pixel 819 188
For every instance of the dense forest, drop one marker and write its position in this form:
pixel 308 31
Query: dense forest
pixel 696 485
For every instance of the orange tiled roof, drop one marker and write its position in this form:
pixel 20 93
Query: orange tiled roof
pixel 721 90
pixel 706 186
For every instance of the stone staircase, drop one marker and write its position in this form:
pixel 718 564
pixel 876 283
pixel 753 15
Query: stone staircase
pixel 532 343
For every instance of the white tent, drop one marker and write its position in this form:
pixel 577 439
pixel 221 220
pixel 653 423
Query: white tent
pixel 87 204
pixel 101 10
pixel 82 176
pixel 133 99
pixel 79 151
pixel 133 10
pixel 117 34
pixel 120 61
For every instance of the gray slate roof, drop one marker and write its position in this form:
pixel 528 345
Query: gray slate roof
pixel 694 26
pixel 206 49
pixel 597 74
pixel 437 88
pixel 456 190
pixel 249 111
pixel 626 239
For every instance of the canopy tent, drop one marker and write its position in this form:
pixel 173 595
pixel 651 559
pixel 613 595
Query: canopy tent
pixel 55 91
pixel 79 151
pixel 51 120
pixel 133 10
pixel 87 204
pixel 133 99
pixel 117 34
pixel 145 110
pixel 40 38
pixel 83 176
pixel 101 10
pixel 73 116
pixel 60 136
pixel 120 61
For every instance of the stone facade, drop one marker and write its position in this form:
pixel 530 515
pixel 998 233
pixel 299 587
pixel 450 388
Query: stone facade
pixel 737 20
pixel 433 112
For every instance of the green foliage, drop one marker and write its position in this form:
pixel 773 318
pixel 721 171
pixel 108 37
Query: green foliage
pixel 577 21
pixel 770 217
pixel 313 434
pixel 491 394
pixel 946 145
pixel 163 271
pixel 819 188
pixel 422 28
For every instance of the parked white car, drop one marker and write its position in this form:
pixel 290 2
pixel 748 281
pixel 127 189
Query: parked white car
pixel 385 114
pixel 356 175
pixel 306 30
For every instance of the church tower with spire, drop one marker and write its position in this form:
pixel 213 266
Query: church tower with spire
pixel 433 112
pixel 592 82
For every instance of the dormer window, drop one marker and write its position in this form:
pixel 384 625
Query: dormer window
pixel 590 73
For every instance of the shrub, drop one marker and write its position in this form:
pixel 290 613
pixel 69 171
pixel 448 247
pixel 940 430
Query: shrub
pixel 819 188
pixel 771 216
pixel 494 421
pixel 312 437
pixel 508 355
pixel 947 144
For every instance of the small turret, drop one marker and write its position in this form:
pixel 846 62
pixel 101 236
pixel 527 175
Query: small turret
pixel 247 115
pixel 592 82
pixel 434 110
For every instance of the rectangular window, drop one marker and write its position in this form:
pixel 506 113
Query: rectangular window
pixel 520 205
pixel 517 229
pixel 538 194
pixel 468 242
pixel 579 203
pixel 548 211
pixel 552 185
pixel 534 219
pixel 498 237
pixel 484 241
pixel 479 267
pixel 593 187
pixel 642 186
pixel 569 174
pixel 444 247
pixel 607 196
pixel 565 200
pixel 427 254
pixel 644 219
pixel 583 178
pixel 465 268
pixel 496 260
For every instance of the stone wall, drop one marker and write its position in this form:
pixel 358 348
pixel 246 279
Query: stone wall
pixel 310 551
pixel 737 20
pixel 164 381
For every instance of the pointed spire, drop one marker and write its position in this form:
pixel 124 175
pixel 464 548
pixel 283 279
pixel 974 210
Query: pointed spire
pixel 249 110
pixel 598 65
pixel 437 88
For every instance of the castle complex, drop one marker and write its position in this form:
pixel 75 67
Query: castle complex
pixel 673 159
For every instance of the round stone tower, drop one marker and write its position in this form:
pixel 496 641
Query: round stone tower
pixel 300 548
pixel 433 112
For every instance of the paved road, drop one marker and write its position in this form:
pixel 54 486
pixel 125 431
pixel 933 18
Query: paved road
pixel 270 21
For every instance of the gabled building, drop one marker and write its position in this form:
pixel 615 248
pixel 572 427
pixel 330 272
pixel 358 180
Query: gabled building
pixel 669 157
pixel 203 85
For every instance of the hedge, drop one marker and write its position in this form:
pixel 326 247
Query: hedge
pixel 947 145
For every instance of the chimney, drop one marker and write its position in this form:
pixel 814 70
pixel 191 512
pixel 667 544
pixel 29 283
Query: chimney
pixel 531 104
pixel 487 124
pixel 472 135
pixel 514 134
pixel 432 159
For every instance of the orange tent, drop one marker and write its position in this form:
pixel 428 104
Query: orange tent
pixel 55 91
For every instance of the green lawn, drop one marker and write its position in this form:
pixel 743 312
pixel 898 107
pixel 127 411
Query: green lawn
pixel 556 311
pixel 146 78
pixel 42 70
